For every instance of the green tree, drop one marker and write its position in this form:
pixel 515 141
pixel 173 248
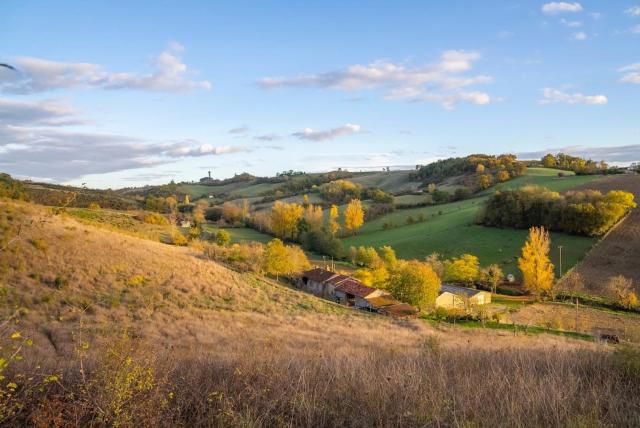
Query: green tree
pixel 492 276
pixel 223 237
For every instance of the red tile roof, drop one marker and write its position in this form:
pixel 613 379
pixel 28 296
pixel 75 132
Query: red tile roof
pixel 351 286
pixel 319 275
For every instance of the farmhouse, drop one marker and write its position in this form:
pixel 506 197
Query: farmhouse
pixel 351 292
pixel 456 297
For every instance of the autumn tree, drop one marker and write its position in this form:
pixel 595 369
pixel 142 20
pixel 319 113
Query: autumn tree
pixel 285 218
pixel 353 216
pixel 186 200
pixel 415 283
pixel 480 169
pixel 313 217
pixel 535 265
pixel 198 214
pixel 621 289
pixel 492 276
pixel 305 200
pixel 484 181
pixel 466 268
pixel 333 225
pixel 503 175
pixel 222 237
pixel 388 256
pixel 549 161
pixel 431 187
pixel 231 213
pixel 276 259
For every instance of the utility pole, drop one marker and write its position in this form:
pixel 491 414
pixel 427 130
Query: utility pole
pixel 560 248
pixel 576 314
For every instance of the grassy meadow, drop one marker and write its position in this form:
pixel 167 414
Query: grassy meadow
pixel 450 229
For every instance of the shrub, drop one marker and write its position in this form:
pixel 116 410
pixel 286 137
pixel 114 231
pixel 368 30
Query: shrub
pixel 222 237
pixel 155 218
pixel 39 244
pixel 94 206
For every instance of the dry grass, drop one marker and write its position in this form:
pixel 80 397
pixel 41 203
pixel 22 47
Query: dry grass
pixel 221 348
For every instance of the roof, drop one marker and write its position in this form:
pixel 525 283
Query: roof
pixel 351 286
pixel 400 310
pixel 454 289
pixel 382 301
pixel 319 275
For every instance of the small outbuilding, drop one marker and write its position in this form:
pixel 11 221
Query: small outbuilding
pixel 456 297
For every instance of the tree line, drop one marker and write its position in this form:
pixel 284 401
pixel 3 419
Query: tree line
pixel 587 212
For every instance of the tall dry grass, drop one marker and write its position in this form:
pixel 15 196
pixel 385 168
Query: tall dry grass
pixel 428 385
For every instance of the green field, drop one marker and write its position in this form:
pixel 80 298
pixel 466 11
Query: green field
pixel 389 181
pixel 450 229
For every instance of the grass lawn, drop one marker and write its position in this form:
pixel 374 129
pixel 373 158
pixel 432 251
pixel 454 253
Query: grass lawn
pixel 450 229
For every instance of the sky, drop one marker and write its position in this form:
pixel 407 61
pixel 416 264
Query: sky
pixel 117 94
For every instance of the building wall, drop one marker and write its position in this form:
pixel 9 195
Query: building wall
pixel 449 301
pixel 482 298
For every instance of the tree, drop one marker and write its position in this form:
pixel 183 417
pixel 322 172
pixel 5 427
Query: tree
pixel 231 213
pixel 621 289
pixel 305 200
pixel 388 256
pixel 431 187
pixel 285 218
pixel 463 269
pixel 353 216
pixel 503 175
pixel 313 217
pixel 535 265
pixel 198 214
pixel 415 283
pixel 549 161
pixel 484 181
pixel 334 227
pixel 223 238
pixel 297 259
pixel 480 169
pixel 186 200
pixel 492 276
pixel 276 258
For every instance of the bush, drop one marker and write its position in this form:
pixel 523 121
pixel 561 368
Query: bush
pixel 222 238
pixel 155 218
pixel 322 242
pixel 94 206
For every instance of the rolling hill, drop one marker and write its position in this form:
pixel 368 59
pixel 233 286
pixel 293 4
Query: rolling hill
pixel 205 345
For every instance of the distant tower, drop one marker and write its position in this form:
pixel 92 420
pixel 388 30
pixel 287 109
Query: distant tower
pixel 209 175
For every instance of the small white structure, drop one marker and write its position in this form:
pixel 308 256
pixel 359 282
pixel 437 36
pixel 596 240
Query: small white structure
pixel 456 297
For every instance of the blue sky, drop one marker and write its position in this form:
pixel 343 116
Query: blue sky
pixel 117 94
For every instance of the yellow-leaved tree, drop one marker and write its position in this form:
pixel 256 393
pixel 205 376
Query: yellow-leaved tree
pixel 313 217
pixel 353 216
pixel 276 258
pixel 284 219
pixel 334 227
pixel 535 265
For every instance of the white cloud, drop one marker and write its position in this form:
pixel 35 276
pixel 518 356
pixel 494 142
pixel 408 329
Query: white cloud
pixel 633 11
pixel 315 135
pixel 189 149
pixel 240 130
pixel 579 36
pixel 398 81
pixel 35 141
pixel 39 75
pixel 554 8
pixel 268 137
pixel 631 73
pixel 555 96
pixel 570 24
pixel 636 29
pixel 449 101
pixel 49 113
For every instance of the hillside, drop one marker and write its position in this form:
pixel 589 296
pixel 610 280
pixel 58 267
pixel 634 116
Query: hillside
pixel 262 352
pixel 450 229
